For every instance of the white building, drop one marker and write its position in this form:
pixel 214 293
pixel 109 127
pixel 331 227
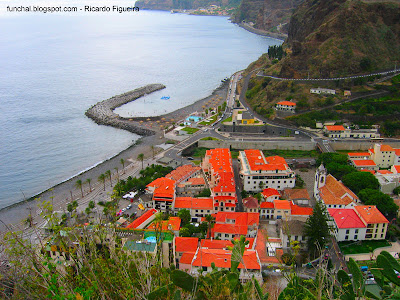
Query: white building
pixel 258 172
pixel 286 106
pixel 322 91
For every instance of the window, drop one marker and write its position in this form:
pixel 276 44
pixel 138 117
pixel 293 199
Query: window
pixel 347 231
pixel 356 231
pixel 355 237
pixel 346 237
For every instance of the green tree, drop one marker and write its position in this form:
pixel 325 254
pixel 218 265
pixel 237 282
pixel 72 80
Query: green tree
pixel 153 150
pixel 89 181
pixel 185 216
pixel 204 193
pixel 102 178
pixel 79 185
pixel 108 174
pixel 122 161
pixel 358 181
pixel 88 210
pixel 140 157
pixel 316 230
pixel 185 232
pixel 383 202
pixel 91 204
pixel 261 185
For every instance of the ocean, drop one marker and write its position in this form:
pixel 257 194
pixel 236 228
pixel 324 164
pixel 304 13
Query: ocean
pixel 56 65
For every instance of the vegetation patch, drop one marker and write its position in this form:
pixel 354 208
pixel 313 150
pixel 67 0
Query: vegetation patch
pixel 209 121
pixel 362 246
pixel 190 130
pixel 210 138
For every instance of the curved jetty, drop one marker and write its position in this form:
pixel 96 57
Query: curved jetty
pixel 102 112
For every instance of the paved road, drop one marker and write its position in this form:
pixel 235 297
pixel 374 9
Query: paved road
pixel 394 72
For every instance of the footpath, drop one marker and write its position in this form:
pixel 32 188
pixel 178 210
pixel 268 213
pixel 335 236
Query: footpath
pixel 394 249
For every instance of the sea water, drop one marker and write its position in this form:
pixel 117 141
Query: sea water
pixel 56 65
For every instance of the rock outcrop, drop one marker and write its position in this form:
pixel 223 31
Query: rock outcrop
pixel 102 112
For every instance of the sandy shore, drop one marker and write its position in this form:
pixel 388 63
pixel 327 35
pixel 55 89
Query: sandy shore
pixel 60 194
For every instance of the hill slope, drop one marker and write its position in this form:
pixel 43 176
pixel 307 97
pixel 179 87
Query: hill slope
pixel 338 37
pixel 183 4
pixel 266 14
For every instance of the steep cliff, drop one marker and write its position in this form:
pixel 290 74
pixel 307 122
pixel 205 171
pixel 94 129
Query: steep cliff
pixel 338 37
pixel 271 15
pixel 183 4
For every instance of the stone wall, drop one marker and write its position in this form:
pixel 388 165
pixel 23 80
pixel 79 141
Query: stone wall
pixel 359 145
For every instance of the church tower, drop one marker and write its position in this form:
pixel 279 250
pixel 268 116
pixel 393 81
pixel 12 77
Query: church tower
pixel 320 178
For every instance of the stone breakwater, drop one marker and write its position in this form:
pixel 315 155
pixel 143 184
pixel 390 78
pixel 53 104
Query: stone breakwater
pixel 102 113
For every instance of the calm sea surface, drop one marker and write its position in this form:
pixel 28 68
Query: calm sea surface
pixel 54 66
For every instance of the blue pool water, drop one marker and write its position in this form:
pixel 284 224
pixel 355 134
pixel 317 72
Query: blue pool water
pixel 151 239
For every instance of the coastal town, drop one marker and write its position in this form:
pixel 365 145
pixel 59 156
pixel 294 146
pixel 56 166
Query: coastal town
pixel 282 183
pixel 192 198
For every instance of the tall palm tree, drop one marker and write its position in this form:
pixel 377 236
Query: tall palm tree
pixel 122 161
pixel 79 185
pixel 153 150
pixel 88 181
pixel 102 178
pixel 141 158
pixel 108 173
pixel 116 170
pixel 210 222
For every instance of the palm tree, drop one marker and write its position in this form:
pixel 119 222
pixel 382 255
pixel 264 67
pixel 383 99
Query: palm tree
pixel 116 170
pixel 79 184
pixel 102 178
pixel 141 158
pixel 210 221
pixel 108 173
pixel 29 220
pixel 153 150
pixel 122 161
pixel 90 186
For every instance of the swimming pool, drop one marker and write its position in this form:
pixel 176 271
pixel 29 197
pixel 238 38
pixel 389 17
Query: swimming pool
pixel 194 118
pixel 151 239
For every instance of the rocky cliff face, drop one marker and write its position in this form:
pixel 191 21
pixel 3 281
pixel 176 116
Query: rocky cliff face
pixel 267 14
pixel 183 4
pixel 338 37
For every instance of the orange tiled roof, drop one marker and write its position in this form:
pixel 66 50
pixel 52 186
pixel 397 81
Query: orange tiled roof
pixel 197 181
pixel 194 203
pixel 371 150
pixel 173 223
pixel 234 222
pixel 334 192
pixel 223 244
pixel 358 154
pixel 187 258
pixel 182 172
pixel 293 194
pixel 300 210
pixel 397 168
pixel 364 162
pixel 282 204
pixel 383 172
pixel 222 259
pixel 397 152
pixel 257 161
pixel 186 244
pixel 267 205
pixel 335 128
pixel 386 148
pixel 142 218
pixel 287 103
pixel 268 192
pixel 163 188
pixel 370 214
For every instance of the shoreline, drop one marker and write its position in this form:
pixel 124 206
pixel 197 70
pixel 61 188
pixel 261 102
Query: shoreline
pixel 279 36
pixel 16 212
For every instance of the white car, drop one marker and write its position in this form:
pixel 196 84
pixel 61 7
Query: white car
pixel 124 209
pixel 129 206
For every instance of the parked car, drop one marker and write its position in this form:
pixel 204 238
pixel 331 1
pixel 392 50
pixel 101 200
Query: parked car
pixel 190 158
pixel 129 206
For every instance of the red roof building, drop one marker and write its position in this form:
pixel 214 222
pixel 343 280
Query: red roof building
pixel 250 204
pixel 234 224
pixel 163 193
pixel 258 171
pixel 270 194
pixel 183 173
pixel 143 220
